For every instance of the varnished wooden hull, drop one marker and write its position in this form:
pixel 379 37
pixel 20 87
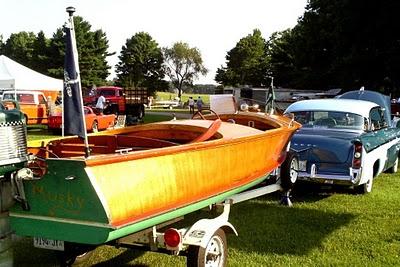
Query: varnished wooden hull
pixel 97 199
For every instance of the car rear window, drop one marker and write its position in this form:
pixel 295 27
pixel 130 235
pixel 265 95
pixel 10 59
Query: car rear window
pixel 330 119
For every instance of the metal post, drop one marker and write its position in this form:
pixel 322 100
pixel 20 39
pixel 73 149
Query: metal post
pixel 71 11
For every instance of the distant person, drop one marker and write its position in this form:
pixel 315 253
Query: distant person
pixel 50 106
pixel 150 101
pixel 101 104
pixel 191 105
pixel 199 104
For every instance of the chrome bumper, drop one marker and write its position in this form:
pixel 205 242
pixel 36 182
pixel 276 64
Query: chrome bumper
pixel 353 178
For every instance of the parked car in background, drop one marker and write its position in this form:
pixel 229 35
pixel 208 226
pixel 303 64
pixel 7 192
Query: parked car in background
pixel 344 141
pixel 32 103
pixel 167 103
pixel 94 122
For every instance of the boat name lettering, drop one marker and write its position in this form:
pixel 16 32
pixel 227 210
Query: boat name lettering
pixel 66 199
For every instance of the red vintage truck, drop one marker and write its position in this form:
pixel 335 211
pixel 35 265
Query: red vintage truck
pixel 130 101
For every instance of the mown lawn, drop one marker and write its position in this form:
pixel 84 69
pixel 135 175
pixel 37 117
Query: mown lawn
pixel 184 97
pixel 325 227
pixel 40 132
pixel 330 227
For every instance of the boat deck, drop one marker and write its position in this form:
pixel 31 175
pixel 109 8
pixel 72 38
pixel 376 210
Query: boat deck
pixel 227 130
pixel 171 135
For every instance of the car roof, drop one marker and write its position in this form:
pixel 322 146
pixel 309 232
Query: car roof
pixel 360 107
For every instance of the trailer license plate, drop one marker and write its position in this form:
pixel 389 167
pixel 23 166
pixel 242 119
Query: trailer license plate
pixel 45 243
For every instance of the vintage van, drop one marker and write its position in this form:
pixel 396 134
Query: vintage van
pixel 32 103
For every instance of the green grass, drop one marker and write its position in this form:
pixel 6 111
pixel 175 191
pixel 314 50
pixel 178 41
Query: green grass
pixel 323 228
pixel 40 132
pixel 155 118
pixel 331 227
pixel 184 97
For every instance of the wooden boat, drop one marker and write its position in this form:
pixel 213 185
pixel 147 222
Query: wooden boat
pixel 140 176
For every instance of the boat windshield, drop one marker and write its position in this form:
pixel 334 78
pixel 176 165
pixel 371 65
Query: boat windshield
pixel 330 119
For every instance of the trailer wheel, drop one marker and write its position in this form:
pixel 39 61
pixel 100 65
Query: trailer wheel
pixel 74 255
pixel 289 171
pixel 215 253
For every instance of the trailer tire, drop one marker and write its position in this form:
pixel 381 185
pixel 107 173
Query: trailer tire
pixel 74 255
pixel 214 254
pixel 289 171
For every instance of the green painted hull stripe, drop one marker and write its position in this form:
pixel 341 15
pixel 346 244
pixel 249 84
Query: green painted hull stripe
pixel 86 232
pixel 126 230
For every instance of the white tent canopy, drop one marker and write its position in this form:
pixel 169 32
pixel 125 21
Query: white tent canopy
pixel 16 76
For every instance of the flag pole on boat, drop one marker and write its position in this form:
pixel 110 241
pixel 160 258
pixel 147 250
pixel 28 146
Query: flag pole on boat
pixel 73 111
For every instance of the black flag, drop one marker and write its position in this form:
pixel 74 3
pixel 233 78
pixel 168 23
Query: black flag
pixel 72 101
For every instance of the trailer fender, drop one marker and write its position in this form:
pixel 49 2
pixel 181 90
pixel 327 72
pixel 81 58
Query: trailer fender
pixel 200 233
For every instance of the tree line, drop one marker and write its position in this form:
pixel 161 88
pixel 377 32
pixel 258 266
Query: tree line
pixel 142 62
pixel 335 44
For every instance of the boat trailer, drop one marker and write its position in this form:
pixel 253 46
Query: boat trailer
pixel 203 242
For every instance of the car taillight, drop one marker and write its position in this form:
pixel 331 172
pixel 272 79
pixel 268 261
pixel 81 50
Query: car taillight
pixel 357 155
pixel 172 237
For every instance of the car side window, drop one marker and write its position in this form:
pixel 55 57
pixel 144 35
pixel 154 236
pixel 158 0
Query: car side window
pixel 26 98
pixel 377 119
pixel 42 100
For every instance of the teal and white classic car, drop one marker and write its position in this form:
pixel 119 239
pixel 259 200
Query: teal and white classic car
pixel 348 140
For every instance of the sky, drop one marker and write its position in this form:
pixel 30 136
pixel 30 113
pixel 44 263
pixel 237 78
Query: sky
pixel 213 26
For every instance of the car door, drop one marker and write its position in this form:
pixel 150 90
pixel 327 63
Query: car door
pixel 41 109
pixel 384 152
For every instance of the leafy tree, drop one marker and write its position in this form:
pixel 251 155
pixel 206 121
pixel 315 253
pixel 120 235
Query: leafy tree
pixel 247 62
pixel 183 64
pixel 342 44
pixel 92 50
pixel 281 57
pixel 47 55
pixel 56 52
pixel 19 47
pixel 40 56
pixel 141 63
pixel 1 45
